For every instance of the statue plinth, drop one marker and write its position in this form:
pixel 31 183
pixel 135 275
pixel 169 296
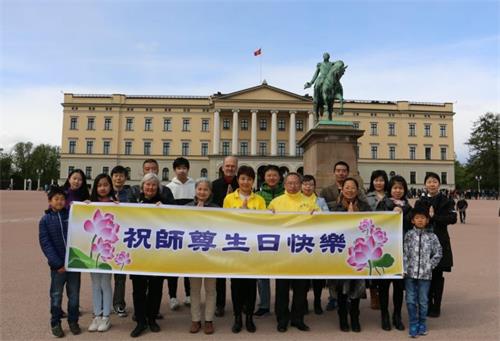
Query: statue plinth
pixel 325 144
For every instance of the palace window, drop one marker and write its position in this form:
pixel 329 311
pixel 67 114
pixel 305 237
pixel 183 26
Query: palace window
pixel 244 124
pixel 413 178
pixel 243 148
pixel 106 145
pixel 166 148
pixel 205 125
pixel 262 148
pixel 164 174
pixel 392 152
pixel 299 125
pixel 226 124
pixel 413 152
pixel 442 130
pixel 88 172
pixel 263 124
pixel 411 129
pixel 185 148
pixel 281 125
pixel 427 130
pixel 73 125
pixel 374 150
pixel 148 124
pixel 128 147
pixel 443 153
pixel 204 148
pixel 147 147
pixel 281 149
pixel 90 147
pixel 72 146
pixel 129 124
pixel 107 123
pixel 167 124
pixel 185 124
pixel 225 148
pixel 373 129
pixel 392 129
pixel 91 123
pixel 428 154
pixel 204 173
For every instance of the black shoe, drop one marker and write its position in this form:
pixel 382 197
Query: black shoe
pixel 74 328
pixel 154 327
pixel 219 311
pixel 317 308
pixel 159 316
pixel 396 321
pixel 355 326
pixel 237 325
pixel 57 330
pixel 261 312
pixel 281 328
pixel 300 326
pixel 138 330
pixel 344 325
pixel 250 326
pixel 386 322
pixel 433 313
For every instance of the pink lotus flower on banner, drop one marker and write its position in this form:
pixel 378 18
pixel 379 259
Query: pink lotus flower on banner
pixel 362 252
pixel 367 251
pixel 366 225
pixel 122 258
pixel 102 226
pixel 379 236
pixel 104 249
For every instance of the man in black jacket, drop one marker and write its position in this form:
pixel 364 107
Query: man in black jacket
pixel 220 188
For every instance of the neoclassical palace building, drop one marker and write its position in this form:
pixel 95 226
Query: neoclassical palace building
pixel 260 125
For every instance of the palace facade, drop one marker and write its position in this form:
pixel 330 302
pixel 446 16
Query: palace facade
pixel 260 125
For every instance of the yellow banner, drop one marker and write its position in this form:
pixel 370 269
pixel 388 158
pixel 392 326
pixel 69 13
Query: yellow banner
pixel 213 242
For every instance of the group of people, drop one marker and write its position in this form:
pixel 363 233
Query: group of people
pixel 427 249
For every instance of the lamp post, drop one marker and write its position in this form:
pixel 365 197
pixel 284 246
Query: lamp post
pixel 39 173
pixel 478 179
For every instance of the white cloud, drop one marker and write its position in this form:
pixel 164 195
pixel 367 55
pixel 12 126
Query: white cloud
pixel 35 113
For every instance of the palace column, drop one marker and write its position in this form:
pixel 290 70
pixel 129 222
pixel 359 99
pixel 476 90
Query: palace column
pixel 293 135
pixel 253 141
pixel 274 132
pixel 216 132
pixel 235 132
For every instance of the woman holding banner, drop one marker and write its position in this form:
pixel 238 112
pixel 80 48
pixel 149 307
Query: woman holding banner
pixel 244 290
pixel 202 198
pixel 351 289
pixel 147 290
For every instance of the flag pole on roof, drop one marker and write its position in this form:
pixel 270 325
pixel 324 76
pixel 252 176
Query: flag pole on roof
pixel 257 53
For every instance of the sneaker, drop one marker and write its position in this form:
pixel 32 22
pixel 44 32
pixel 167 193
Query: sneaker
pixel 413 331
pixel 94 324
pixel 74 327
pixel 105 324
pixel 331 305
pixel 422 329
pixel 187 301
pixel 120 311
pixel 174 304
pixel 57 331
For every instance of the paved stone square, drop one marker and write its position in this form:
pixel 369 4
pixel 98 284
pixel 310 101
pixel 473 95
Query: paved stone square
pixel 470 310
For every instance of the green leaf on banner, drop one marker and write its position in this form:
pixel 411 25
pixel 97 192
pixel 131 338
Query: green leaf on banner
pixel 385 261
pixel 79 260
pixel 104 266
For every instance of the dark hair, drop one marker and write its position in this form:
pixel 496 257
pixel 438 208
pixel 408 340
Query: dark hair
pixel 351 179
pixel 272 168
pixel 398 179
pixel 432 175
pixel 309 177
pixel 294 174
pixel 376 174
pixel 180 161
pixel 55 190
pixel 341 163
pixel 246 170
pixel 420 209
pixel 94 196
pixel 82 193
pixel 150 161
pixel 119 170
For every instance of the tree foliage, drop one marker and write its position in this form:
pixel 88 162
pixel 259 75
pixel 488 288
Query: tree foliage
pixel 483 144
pixel 28 162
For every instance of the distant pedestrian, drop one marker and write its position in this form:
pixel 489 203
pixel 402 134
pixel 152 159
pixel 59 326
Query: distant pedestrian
pixel 462 208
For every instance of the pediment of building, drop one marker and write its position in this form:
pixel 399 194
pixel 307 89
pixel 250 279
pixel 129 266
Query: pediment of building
pixel 263 92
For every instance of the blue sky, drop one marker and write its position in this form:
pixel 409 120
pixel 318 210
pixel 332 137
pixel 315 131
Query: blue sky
pixel 438 51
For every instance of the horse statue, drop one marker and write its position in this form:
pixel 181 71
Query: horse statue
pixel 332 89
pixel 327 86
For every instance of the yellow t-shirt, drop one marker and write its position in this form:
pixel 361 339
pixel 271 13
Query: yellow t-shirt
pixel 233 200
pixel 297 202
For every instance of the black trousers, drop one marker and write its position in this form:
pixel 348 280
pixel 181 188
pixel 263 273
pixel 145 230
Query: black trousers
pixel 383 286
pixel 462 216
pixel 318 285
pixel 220 287
pixel 172 283
pixel 352 308
pixel 147 293
pixel 436 290
pixel 299 300
pixel 243 295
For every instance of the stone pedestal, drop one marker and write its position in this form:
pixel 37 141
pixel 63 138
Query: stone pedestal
pixel 327 143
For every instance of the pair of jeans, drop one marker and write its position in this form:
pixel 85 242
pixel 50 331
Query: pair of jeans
pixel 264 288
pixel 119 292
pixel 417 291
pixel 209 284
pixel 102 293
pixel 57 282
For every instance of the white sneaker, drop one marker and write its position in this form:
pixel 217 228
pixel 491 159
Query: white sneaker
pixel 94 324
pixel 174 304
pixel 187 301
pixel 105 324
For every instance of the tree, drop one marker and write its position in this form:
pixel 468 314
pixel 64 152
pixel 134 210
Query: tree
pixel 5 169
pixel 483 144
pixel 21 157
pixel 463 179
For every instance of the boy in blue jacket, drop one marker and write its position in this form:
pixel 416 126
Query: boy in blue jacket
pixel 53 231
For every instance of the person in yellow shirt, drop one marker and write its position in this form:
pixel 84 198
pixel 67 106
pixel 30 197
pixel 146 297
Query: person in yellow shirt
pixel 244 290
pixel 292 201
